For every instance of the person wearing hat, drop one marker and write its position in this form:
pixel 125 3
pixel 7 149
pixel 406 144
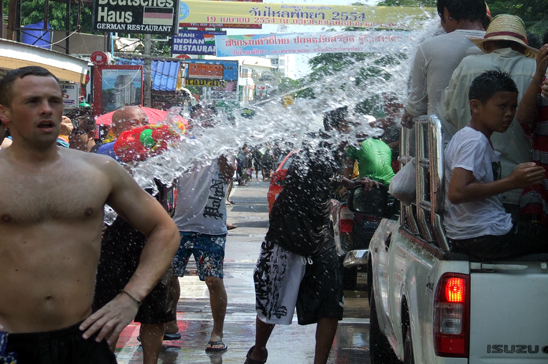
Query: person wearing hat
pixel 504 48
pixel 437 57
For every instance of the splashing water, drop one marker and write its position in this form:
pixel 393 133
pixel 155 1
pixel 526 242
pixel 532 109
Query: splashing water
pixel 273 121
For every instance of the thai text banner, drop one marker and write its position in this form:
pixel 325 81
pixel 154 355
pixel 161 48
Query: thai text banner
pixel 299 43
pixel 230 12
pixel 184 8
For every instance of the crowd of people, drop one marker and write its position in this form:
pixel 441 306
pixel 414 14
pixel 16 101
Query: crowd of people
pixel 71 281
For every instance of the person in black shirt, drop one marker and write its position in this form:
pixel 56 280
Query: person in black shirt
pixel 298 265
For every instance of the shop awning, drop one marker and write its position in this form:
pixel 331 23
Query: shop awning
pixel 164 74
pixel 66 68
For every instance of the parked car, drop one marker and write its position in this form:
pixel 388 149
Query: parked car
pixel 277 178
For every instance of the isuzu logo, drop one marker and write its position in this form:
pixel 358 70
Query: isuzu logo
pixel 516 349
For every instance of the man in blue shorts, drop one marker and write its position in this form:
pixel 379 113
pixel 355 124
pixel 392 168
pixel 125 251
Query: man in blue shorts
pixel 200 216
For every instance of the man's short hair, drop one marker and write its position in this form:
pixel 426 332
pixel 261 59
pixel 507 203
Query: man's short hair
pixel 82 117
pixel 464 9
pixel 486 85
pixel 6 92
pixel 545 38
pixel 196 108
pixel 332 119
pixel 534 40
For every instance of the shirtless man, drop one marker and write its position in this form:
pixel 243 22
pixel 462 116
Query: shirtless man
pixel 51 216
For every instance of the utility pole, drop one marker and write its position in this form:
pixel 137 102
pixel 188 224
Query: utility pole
pixel 148 71
pixel 12 17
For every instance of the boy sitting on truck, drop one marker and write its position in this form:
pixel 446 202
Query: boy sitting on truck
pixel 474 218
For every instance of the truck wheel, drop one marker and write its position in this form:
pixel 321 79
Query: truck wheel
pixel 380 351
pixel 408 356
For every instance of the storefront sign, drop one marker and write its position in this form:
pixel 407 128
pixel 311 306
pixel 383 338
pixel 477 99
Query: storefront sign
pixel 329 42
pixel 70 94
pixel 206 83
pixel 249 13
pixel 205 71
pixel 136 16
pixel 229 68
pixel 185 9
pixel 195 42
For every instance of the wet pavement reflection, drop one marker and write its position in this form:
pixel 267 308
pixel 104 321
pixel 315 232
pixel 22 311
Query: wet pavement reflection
pixel 292 344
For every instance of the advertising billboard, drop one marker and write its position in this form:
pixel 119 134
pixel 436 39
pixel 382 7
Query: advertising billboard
pixel 136 16
pixel 195 42
pixel 117 86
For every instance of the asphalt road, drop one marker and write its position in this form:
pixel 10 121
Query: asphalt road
pixel 292 344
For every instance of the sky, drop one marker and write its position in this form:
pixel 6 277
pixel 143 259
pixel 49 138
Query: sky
pixel 302 67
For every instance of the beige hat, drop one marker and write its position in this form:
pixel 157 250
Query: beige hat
pixel 506 27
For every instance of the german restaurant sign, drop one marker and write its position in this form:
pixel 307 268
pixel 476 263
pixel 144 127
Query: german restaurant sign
pixel 136 16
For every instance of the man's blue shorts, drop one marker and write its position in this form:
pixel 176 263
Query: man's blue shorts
pixel 208 251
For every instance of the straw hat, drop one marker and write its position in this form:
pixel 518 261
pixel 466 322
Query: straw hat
pixel 506 27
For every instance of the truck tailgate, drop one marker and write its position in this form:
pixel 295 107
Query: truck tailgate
pixel 509 314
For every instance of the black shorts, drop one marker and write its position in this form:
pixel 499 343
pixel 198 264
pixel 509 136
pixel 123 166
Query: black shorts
pixel 321 290
pixel 65 346
pixel 120 253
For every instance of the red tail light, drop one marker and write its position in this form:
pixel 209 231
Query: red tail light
pixel 451 316
pixel 455 290
pixel 345 226
pixel 346 220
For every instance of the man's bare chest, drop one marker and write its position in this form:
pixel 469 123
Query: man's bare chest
pixel 67 196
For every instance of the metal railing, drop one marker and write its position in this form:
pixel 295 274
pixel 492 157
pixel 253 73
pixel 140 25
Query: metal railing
pixel 424 217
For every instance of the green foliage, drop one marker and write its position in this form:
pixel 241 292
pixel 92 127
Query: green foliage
pixel 287 85
pixel 32 11
pixel 431 3
pixel 533 12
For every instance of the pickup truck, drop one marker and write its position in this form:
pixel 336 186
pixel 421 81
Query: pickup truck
pixel 431 305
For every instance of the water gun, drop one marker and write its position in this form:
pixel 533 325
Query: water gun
pixel 140 143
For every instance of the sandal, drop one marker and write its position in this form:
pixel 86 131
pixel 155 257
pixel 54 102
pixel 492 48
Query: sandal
pixel 210 349
pixel 248 360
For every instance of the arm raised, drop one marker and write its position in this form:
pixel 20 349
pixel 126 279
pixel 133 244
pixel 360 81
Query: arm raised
pixel 142 210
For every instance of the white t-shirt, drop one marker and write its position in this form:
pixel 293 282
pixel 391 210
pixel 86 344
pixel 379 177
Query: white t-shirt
pixel 434 63
pixel 201 201
pixel 469 149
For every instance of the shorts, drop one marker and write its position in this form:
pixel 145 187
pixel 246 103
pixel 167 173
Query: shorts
pixel 119 259
pixel 65 346
pixel 208 251
pixel 285 281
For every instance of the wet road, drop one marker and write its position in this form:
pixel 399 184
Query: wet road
pixel 292 344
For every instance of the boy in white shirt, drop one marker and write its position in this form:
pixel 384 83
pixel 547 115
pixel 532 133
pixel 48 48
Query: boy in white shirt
pixel 474 218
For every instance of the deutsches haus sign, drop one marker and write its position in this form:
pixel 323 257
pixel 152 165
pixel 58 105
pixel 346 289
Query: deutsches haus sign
pixel 136 16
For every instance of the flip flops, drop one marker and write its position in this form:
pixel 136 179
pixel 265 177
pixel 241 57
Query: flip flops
pixel 248 360
pixel 210 347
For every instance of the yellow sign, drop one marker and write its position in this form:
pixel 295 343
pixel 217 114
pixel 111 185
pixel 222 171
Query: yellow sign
pixel 205 83
pixel 229 12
